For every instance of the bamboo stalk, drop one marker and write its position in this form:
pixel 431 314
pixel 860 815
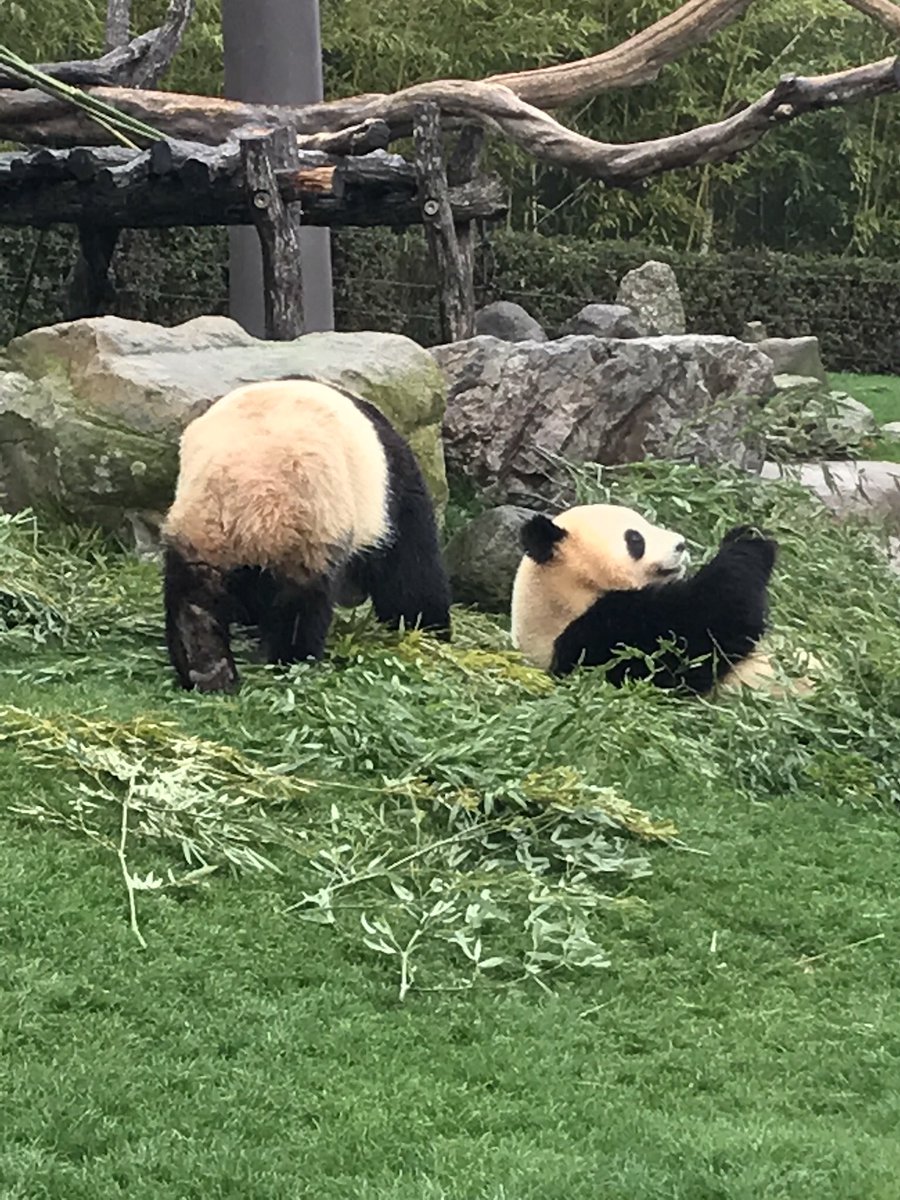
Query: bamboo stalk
pixel 115 122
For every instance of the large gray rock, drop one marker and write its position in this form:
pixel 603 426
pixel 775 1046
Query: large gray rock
pixel 795 356
pixel 864 488
pixel 91 411
pixel 604 320
pixel 512 409
pixel 482 558
pixel 651 291
pixel 508 321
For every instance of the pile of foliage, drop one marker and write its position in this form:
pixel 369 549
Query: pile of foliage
pixel 461 814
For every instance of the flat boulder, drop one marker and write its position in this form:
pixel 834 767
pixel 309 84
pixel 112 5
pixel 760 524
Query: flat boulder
pixel 91 411
pixel 794 356
pixel 514 410
pixel 863 488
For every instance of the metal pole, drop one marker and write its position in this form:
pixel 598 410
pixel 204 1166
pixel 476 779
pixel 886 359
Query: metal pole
pixel 273 55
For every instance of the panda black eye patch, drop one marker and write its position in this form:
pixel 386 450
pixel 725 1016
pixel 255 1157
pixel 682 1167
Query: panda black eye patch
pixel 635 543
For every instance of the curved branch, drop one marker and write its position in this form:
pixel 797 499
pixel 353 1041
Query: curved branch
pixel 885 12
pixel 140 62
pixel 637 60
pixel 116 67
pixel 627 164
pixel 165 45
pixel 197 118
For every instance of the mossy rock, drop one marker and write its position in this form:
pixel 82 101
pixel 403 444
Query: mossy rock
pixel 91 411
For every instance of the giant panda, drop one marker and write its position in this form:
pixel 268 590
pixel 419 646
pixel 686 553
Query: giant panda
pixel 599 577
pixel 291 494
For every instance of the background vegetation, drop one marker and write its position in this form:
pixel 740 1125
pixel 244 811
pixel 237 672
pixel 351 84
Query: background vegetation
pixel 827 185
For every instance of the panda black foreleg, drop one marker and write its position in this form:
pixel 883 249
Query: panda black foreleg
pixel 197 618
pixel 294 624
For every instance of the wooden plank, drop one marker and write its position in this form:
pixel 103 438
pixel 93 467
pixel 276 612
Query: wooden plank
pixel 165 203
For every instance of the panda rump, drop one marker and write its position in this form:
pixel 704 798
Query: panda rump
pixel 291 492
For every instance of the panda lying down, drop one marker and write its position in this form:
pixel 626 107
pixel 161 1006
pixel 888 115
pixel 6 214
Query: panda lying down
pixel 599 578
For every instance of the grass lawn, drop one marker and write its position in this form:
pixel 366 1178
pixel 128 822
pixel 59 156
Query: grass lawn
pixel 741 1041
pixel 882 394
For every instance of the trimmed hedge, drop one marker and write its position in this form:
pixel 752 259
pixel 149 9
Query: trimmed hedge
pixel 385 281
pixel 851 304
pixel 167 275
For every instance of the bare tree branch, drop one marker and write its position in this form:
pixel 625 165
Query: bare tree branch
pixel 201 119
pixel 118 23
pixel 165 46
pixel 115 67
pixel 637 60
pixel 885 12
pixel 140 62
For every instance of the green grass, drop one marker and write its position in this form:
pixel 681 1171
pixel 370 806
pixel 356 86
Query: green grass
pixel 742 1042
pixel 882 394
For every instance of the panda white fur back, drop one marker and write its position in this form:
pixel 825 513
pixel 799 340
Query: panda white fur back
pixel 279 477
pixel 290 494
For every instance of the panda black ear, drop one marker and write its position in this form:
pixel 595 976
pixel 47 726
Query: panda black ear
pixel 539 536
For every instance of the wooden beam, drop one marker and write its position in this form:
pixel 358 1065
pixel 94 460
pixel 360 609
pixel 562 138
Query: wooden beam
pixel 183 183
pixel 454 287
pixel 278 226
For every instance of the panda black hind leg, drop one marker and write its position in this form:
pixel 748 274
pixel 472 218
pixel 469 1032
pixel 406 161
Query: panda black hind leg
pixel 197 618
pixel 407 580
pixel 294 623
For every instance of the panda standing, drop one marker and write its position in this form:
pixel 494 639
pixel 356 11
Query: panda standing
pixel 289 491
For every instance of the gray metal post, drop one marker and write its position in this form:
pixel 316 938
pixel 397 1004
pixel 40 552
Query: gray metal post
pixel 273 55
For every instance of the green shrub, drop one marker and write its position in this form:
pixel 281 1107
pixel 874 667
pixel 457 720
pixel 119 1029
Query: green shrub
pixel 385 280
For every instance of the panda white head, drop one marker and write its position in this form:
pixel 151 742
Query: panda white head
pixel 573 559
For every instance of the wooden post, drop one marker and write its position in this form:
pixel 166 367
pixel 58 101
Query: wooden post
pixel 457 300
pixel 462 168
pixel 278 226
pixel 89 291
